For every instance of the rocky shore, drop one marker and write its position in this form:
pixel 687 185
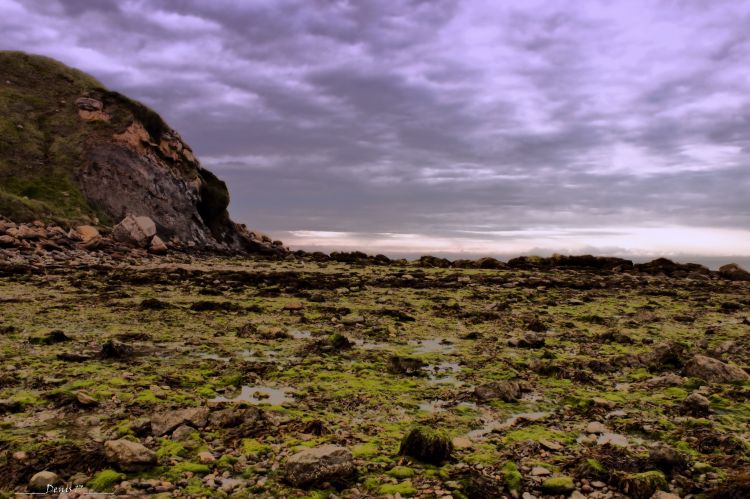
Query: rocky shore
pixel 138 372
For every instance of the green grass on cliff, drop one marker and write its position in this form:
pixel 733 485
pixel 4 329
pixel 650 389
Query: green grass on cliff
pixel 43 140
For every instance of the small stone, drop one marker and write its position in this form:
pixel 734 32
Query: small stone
pixel 540 471
pixel 206 457
pixel 596 427
pixel 41 480
pixel 294 306
pixel 603 403
pixel 660 494
pixel 551 445
pixel 462 443
pixel 85 399
pixel 182 433
pixel 612 439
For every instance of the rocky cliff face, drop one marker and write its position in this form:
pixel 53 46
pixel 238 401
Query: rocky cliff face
pixel 73 152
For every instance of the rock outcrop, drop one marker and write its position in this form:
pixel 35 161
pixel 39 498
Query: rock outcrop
pixel 75 153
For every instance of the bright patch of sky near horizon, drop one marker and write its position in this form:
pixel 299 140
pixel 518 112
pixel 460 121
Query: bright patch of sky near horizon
pixel 618 127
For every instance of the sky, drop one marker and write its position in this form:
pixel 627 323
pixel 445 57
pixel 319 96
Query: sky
pixel 455 127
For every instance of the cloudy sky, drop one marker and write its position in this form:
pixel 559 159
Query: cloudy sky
pixel 442 126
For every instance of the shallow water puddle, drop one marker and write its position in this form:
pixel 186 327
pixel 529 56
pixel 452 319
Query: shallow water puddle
pixel 436 345
pixel 444 373
pixel 298 334
pixel 494 425
pixel 259 355
pixel 213 356
pixel 437 405
pixel 368 345
pixel 259 395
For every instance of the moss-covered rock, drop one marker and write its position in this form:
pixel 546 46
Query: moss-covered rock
pixel 512 477
pixel 592 468
pixel 558 485
pixel 427 445
pixel 105 480
pixel 643 485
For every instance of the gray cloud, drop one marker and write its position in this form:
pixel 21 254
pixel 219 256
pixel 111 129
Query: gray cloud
pixel 439 117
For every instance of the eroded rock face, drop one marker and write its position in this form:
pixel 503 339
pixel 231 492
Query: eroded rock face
pixel 714 370
pixel 326 463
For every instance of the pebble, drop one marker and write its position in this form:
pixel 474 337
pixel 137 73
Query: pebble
pixel 539 471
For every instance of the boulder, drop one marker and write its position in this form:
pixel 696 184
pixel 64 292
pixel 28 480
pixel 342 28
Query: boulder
pixel 325 463
pixel 643 485
pixel 530 340
pixel 734 272
pixel 137 231
pixel 157 247
pixel 86 233
pixel 232 417
pixel 7 241
pixel 426 444
pixel 164 423
pixel 559 485
pixel 505 390
pixel 696 405
pixel 410 366
pixel 129 456
pixel 41 480
pixel 713 370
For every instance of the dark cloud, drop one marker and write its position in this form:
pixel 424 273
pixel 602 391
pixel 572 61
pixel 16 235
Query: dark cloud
pixel 503 121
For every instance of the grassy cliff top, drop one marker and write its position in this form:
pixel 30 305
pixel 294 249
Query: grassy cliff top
pixel 43 139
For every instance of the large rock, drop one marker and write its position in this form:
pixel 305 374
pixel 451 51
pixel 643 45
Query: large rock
pixel 129 456
pixel 713 370
pixel 326 463
pixel 157 246
pixel 86 233
pixel 734 272
pixel 696 405
pixel 427 444
pixel 163 423
pixel 40 481
pixel 135 230
pixel 505 390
